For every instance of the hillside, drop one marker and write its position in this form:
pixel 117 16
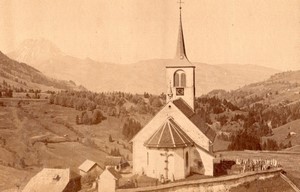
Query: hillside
pixel 270 110
pixel 21 75
pixel 37 134
pixel 149 74
pixel 280 88
pixel 283 134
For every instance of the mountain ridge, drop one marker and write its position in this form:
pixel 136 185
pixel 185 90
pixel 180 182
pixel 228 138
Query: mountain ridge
pixel 149 74
pixel 21 75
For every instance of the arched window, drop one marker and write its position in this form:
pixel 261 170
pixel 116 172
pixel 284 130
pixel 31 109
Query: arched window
pixel 187 159
pixel 182 79
pixel 179 79
pixel 176 80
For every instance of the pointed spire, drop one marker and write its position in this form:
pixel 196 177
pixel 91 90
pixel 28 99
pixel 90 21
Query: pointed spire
pixel 180 53
pixel 169 92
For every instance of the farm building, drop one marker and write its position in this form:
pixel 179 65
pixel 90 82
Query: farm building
pixel 89 167
pixel 108 180
pixel 54 180
pixel 117 162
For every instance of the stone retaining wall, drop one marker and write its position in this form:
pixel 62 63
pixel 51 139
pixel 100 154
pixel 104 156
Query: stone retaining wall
pixel 211 184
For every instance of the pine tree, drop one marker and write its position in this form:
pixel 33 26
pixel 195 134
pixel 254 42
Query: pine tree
pixel 110 139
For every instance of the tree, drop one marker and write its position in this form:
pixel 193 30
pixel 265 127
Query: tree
pixel 85 118
pixel 110 139
pixel 244 140
pixel 97 117
pixel 155 102
pixel 77 120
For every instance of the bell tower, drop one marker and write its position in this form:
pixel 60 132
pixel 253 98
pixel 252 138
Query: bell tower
pixel 181 72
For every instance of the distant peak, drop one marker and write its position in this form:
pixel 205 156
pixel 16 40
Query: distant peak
pixel 38 43
pixel 35 51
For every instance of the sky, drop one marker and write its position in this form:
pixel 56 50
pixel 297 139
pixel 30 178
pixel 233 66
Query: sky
pixel 261 32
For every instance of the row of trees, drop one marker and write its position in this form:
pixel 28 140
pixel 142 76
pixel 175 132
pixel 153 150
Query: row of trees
pixel 111 103
pixel 90 118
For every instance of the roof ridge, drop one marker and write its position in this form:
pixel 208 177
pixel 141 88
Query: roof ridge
pixel 180 136
pixel 172 136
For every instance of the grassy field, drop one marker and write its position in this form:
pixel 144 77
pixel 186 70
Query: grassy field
pixel 290 161
pixel 281 133
pixel 20 158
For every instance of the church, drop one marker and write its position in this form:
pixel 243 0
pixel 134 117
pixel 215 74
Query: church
pixel 176 141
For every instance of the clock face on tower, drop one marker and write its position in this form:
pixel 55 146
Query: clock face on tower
pixel 179 91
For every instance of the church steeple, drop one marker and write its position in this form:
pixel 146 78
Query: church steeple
pixel 180 53
pixel 181 72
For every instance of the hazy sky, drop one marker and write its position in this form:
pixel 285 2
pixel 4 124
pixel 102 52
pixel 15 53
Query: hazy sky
pixel 263 32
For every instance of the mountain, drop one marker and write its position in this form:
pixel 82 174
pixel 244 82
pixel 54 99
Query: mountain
pixel 280 88
pixel 22 75
pixel 143 76
pixel 35 51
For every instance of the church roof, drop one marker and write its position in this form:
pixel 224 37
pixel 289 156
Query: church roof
pixel 195 118
pixel 169 135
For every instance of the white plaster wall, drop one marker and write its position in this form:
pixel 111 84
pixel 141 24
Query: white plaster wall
pixel 179 167
pixel 189 90
pixel 208 162
pixel 106 183
pixel 82 173
pixel 181 170
pixel 157 163
pixel 139 150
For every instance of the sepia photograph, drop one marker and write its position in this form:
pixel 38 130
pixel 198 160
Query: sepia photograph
pixel 150 96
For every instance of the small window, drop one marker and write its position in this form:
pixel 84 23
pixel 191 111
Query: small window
pixel 179 79
pixel 147 158
pixel 187 159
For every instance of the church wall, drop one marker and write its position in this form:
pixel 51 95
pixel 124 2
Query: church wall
pixel 157 164
pixel 140 151
pixel 208 162
pixel 191 130
pixel 180 168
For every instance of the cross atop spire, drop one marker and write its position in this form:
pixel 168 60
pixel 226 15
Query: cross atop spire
pixel 180 2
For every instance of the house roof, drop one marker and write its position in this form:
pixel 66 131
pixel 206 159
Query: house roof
pixel 169 135
pixel 114 173
pixel 114 160
pixel 195 118
pixel 87 165
pixel 54 180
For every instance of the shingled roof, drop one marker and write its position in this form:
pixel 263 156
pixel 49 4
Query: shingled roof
pixel 195 118
pixel 87 165
pixel 169 135
pixel 114 173
pixel 54 180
